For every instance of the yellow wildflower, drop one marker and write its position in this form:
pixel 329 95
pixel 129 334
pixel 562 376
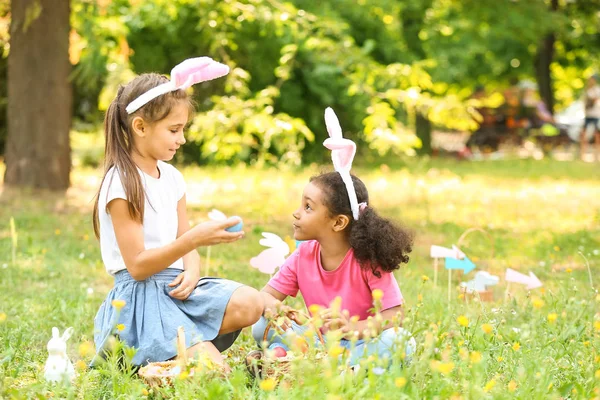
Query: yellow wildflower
pixel 586 343
pixel 118 304
pixel 444 368
pixel 597 325
pixel 552 317
pixel 57 232
pixel 556 248
pixel 336 350
pixel 145 392
pixel 86 349
pixel 569 270
pixel 420 297
pixel 377 294
pixel 597 374
pixel 86 237
pixel 516 346
pixel 400 381
pixel 489 386
pixel 183 375
pixel 475 357
pixel 425 278
pixel 550 385
pixel 268 384
pixel 463 321
pixel 120 327
pixel 314 309
pixel 2 317
pixel 512 386
pixel 538 303
pixel 500 359
pixel 81 365
pixel 487 328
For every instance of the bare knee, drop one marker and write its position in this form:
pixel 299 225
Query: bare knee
pixel 247 305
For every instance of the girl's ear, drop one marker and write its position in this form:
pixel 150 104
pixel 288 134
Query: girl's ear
pixel 340 222
pixel 139 126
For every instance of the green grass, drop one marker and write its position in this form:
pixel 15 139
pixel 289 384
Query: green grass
pixel 540 216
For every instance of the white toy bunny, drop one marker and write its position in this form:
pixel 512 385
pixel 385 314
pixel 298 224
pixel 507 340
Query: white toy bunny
pixel 58 366
pixel 273 257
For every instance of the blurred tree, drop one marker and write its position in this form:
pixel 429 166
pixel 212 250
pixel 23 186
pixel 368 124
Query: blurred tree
pixel 38 153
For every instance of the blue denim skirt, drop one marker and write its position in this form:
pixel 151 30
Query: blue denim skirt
pixel 149 320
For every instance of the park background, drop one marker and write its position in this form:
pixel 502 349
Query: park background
pixel 395 72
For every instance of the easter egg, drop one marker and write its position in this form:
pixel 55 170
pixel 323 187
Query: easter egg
pixel 278 350
pixel 237 227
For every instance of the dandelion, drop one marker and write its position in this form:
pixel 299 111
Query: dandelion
pixel 86 237
pixel 516 346
pixel 550 385
pixel 552 317
pixel 314 309
pixel 81 365
pixel 336 351
pixel 145 392
pixel 475 357
pixel 538 303
pixel 586 343
pixel 400 381
pixel 120 327
pixel 463 321
pixel 86 349
pixel 500 359
pixel 420 298
pixel 569 270
pixel 268 384
pixel 489 386
pixel 424 278
pixel 2 317
pixel 443 368
pixel 183 375
pixel 487 328
pixel 57 232
pixel 512 386
pixel 118 304
pixel 556 248
pixel 597 374
pixel 597 325
pixel 377 294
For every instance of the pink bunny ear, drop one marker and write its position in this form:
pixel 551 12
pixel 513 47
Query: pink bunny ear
pixel 196 70
pixel 342 151
pixel 332 123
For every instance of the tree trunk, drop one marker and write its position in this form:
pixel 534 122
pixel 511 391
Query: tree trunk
pixel 543 59
pixel 38 153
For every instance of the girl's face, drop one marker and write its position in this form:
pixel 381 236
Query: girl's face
pixel 163 138
pixel 312 218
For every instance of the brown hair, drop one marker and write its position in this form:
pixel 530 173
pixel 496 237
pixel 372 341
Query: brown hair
pixel 119 144
pixel 378 243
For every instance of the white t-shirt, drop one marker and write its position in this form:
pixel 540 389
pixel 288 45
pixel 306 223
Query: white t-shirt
pixel 160 213
pixel 594 110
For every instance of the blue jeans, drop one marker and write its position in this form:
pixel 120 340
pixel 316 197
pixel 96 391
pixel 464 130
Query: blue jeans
pixel 385 345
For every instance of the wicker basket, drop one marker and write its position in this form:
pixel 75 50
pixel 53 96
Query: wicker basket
pixel 259 365
pixel 164 373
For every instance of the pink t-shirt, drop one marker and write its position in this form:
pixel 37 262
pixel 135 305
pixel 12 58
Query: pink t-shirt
pixel 303 271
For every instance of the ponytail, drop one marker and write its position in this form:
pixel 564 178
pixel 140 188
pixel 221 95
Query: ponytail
pixel 117 150
pixel 378 243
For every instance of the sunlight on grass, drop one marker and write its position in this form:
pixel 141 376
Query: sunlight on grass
pixel 536 223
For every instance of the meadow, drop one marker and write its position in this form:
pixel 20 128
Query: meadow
pixel 541 216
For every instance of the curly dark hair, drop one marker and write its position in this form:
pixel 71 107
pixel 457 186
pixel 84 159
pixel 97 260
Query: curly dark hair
pixel 378 243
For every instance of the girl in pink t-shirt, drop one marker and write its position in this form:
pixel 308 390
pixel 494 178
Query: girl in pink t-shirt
pixel 349 251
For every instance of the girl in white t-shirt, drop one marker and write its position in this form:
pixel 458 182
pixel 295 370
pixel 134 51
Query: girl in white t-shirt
pixel 591 100
pixel 145 237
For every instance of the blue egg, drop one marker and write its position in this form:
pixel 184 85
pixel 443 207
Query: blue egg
pixel 237 227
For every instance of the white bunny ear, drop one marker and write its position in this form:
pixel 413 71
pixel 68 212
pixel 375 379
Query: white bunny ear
pixel 333 124
pixel 55 333
pixel 275 242
pixel 67 334
pixel 216 215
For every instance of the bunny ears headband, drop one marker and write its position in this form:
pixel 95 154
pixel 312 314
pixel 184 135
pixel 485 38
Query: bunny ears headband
pixel 342 155
pixel 183 75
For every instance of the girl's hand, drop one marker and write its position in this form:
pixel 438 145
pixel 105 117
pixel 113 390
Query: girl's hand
pixel 187 281
pixel 213 232
pixel 288 313
pixel 335 320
